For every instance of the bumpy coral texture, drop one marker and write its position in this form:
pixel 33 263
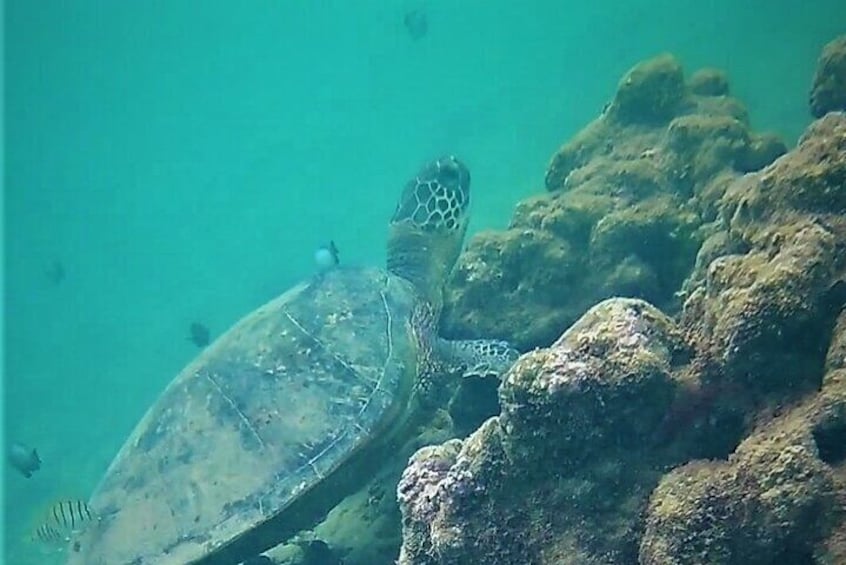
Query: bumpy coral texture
pixel 560 464
pixel 828 91
pixel 630 199
pixel 744 397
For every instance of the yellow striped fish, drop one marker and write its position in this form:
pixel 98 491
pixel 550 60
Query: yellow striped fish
pixel 63 519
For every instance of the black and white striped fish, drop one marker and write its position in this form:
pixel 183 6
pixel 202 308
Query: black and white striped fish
pixel 63 519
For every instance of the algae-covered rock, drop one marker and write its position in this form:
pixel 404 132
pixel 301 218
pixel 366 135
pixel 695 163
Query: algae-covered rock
pixel 419 495
pixel 709 82
pixel 836 356
pixel 771 502
pixel 828 91
pixel 606 382
pixel 761 150
pixel 767 309
pixel 562 474
pixel 768 313
pixel 779 498
pixel 708 143
pixel 827 418
pixel 766 306
pixel 627 198
pixel 650 93
pixel 495 266
pixel 809 180
pixel 588 426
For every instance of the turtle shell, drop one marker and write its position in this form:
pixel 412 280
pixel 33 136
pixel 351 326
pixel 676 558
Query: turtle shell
pixel 262 433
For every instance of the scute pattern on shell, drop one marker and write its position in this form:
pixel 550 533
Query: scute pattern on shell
pixel 262 416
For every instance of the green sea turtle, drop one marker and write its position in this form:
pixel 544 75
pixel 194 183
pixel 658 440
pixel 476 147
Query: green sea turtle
pixel 297 404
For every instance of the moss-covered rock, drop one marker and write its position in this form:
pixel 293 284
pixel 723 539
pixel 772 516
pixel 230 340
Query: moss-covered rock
pixel 627 198
pixel 828 91
pixel 765 303
pixel 810 180
pixel 606 382
pixel 773 501
pixel 650 93
pixel 589 425
pixel 778 498
pixel 708 143
pixel 761 150
pixel 562 474
pixel 772 282
pixel 836 356
pixel 709 82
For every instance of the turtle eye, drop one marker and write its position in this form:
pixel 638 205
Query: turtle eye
pixel 448 173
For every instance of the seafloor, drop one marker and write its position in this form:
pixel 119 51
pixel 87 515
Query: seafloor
pixel 700 419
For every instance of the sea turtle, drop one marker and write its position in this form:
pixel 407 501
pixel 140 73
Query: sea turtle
pixel 297 404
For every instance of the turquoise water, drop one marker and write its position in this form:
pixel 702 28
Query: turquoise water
pixel 182 161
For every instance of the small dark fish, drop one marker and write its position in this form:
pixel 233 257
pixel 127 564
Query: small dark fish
pixel 24 459
pixel 198 334
pixel 63 519
pixel 56 273
pixel 416 24
pixel 327 257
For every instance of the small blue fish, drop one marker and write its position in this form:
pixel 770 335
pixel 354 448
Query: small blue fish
pixel 416 23
pixel 24 459
pixel 199 334
pixel 326 257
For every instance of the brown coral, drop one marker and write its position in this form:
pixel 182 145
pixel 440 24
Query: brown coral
pixel 772 502
pixel 627 198
pixel 566 455
pixel 589 425
pixel 828 92
pixel 769 311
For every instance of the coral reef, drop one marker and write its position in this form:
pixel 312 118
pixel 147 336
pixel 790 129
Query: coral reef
pixel 633 437
pixel 630 199
pixel 780 497
pixel 767 314
pixel 771 502
pixel 562 474
pixel 828 91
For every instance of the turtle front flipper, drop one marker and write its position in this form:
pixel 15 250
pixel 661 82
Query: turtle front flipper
pixel 428 227
pixel 477 357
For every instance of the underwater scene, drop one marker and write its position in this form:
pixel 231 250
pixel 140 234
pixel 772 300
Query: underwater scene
pixel 424 282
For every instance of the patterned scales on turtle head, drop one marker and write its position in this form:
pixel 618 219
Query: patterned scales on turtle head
pixel 428 227
pixel 427 232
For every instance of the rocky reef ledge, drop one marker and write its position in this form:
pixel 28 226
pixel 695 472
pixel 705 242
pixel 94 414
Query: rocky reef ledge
pixel 700 419
pixel 630 199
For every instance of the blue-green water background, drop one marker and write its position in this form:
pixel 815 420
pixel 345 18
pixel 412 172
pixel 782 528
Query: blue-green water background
pixel 184 159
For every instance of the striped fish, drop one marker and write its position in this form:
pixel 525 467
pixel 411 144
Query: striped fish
pixel 63 519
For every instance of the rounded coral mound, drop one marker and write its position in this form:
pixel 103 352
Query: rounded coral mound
pixel 828 92
pixel 770 503
pixel 633 437
pixel 628 201
pixel 651 92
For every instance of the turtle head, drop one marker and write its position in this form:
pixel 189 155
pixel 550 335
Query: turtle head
pixel 428 226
